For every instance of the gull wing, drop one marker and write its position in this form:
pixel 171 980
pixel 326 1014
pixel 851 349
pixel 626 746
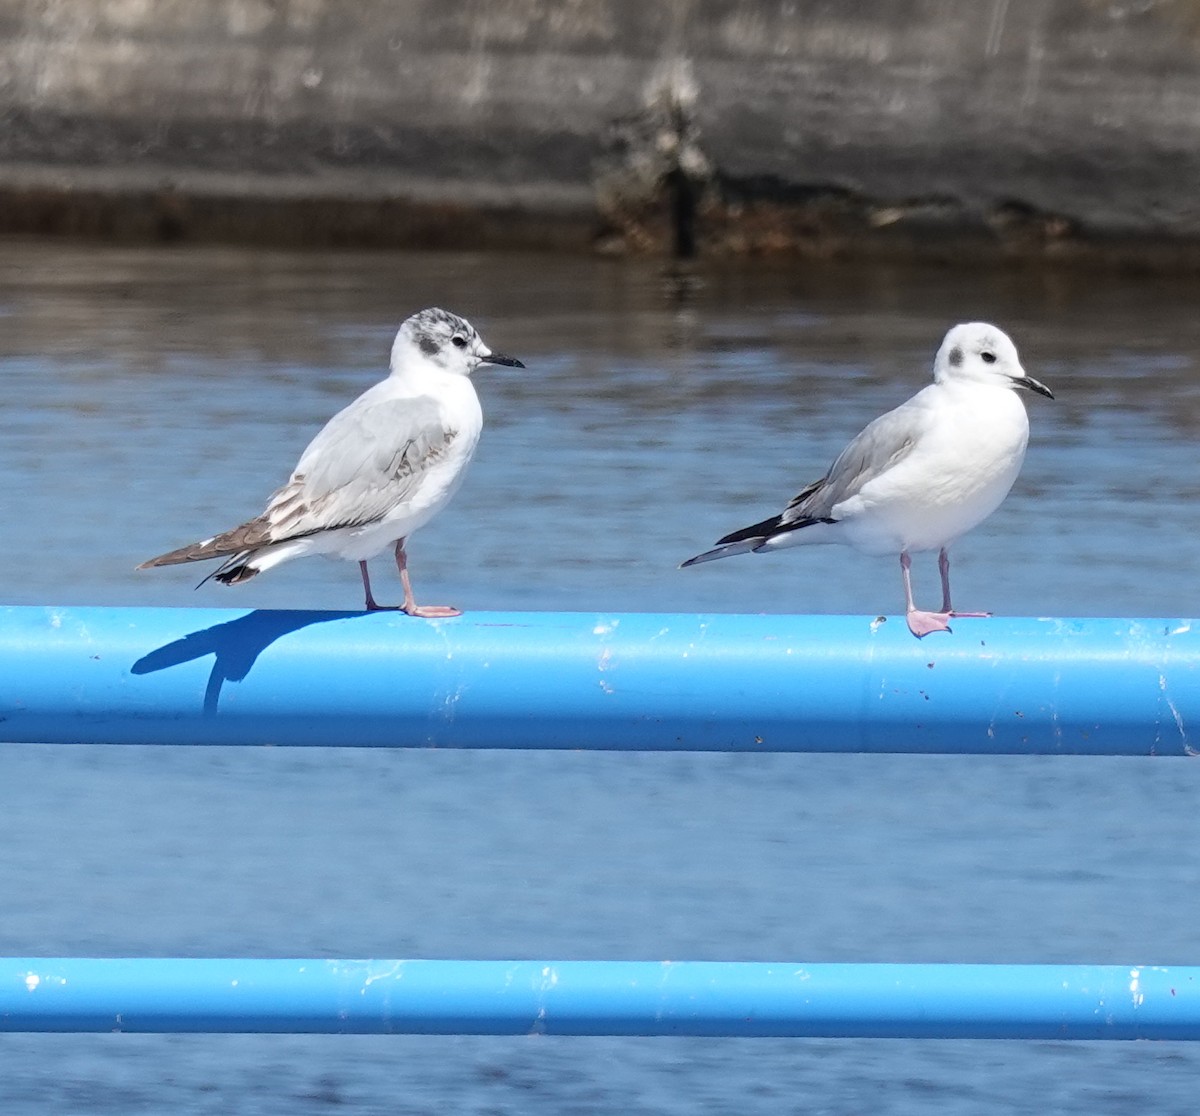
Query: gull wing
pixel 880 446
pixel 368 459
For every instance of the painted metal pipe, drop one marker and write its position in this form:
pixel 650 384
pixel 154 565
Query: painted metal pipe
pixel 573 680
pixel 713 998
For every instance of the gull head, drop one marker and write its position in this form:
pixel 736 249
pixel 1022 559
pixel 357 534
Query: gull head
pixel 983 354
pixel 446 341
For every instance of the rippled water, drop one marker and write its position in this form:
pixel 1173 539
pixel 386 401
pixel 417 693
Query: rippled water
pixel 154 396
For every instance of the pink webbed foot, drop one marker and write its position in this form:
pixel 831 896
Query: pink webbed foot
pixel 922 623
pixel 944 569
pixel 424 612
pixel 410 606
pixel 432 612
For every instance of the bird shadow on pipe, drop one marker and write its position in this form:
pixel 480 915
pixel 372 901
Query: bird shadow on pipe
pixel 236 644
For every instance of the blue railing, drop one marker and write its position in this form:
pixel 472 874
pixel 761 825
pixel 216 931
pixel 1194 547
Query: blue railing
pixel 645 682
pixel 718 998
pixel 620 682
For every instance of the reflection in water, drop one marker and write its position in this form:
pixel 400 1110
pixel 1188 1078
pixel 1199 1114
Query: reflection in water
pixel 154 395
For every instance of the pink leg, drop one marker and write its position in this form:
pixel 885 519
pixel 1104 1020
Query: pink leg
pixel 944 570
pixel 410 604
pixel 371 605
pixel 920 623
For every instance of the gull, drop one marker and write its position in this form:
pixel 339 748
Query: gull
pixel 377 471
pixel 921 476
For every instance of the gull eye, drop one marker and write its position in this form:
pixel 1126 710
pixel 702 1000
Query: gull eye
pixel 460 342
pixel 988 358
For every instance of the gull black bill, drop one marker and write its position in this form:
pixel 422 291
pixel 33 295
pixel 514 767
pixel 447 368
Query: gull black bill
pixel 500 358
pixel 1034 386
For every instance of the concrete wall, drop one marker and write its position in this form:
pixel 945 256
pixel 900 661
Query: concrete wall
pixel 1027 127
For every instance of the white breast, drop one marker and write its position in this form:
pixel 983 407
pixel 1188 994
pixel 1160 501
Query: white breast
pixel 958 473
pixel 436 484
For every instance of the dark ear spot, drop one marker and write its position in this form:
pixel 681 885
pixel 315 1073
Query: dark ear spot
pixel 429 346
pixel 956 357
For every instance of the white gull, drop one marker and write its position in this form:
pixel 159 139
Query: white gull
pixel 921 476
pixel 378 470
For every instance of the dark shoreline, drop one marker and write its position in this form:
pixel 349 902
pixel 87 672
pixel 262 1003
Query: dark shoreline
pixel 1041 133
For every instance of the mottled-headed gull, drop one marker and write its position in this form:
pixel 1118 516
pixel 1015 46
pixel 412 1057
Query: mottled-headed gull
pixel 378 470
pixel 921 476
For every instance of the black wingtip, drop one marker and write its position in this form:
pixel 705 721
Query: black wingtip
pixel 755 531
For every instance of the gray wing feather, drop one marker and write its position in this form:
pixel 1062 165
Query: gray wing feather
pixel 880 446
pixel 364 462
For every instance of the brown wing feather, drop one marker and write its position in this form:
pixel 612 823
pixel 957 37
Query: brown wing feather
pixel 357 484
pixel 247 536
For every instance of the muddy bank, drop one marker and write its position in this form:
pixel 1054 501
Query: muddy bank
pixel 1037 130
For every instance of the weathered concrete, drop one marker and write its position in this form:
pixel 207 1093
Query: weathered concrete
pixel 1022 127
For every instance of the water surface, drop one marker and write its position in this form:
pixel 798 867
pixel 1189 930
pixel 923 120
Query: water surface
pixel 155 396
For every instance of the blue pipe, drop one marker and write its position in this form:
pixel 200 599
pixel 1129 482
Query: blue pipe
pixel 713 998
pixel 575 680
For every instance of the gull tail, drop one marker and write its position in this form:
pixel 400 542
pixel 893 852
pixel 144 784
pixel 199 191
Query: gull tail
pixel 725 551
pixel 235 571
pixel 246 564
pixel 758 536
